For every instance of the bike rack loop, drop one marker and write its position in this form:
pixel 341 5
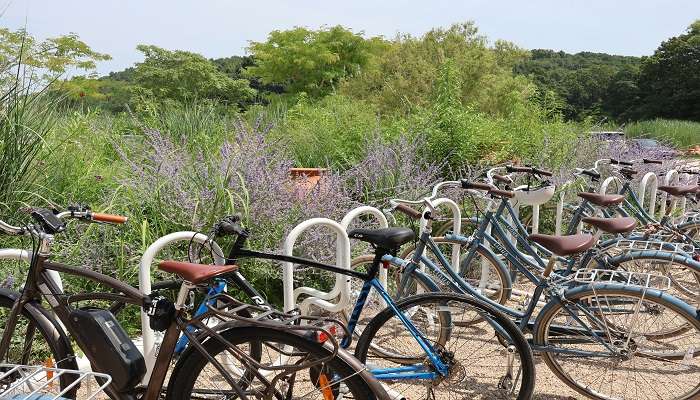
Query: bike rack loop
pixel 456 226
pixel 148 335
pixel 672 177
pixel 346 221
pixel 24 255
pixel 649 181
pixel 318 297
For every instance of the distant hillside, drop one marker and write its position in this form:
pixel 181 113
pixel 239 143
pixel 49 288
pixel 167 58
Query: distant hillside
pixel 589 84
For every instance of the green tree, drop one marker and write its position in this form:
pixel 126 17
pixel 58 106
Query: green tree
pixel 404 76
pixel 309 61
pixel 669 80
pixel 590 84
pixel 46 59
pixel 182 75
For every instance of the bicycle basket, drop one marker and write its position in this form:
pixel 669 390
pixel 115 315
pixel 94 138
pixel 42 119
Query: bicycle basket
pixel 25 382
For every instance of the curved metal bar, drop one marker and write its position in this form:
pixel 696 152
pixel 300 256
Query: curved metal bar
pixel 150 350
pixel 342 261
pixel 649 181
pixel 347 220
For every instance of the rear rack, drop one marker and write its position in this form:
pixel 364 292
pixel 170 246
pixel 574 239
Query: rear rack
pixel 25 382
pixel 676 248
pixel 627 278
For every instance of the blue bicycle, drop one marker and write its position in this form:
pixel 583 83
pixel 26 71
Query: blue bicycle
pixel 607 334
pixel 418 345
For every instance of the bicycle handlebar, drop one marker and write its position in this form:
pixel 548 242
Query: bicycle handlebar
pixel 530 170
pixel 475 185
pixel 409 211
pixel 620 162
pixel 86 215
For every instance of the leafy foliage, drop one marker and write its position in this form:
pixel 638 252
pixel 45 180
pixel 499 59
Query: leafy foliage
pixel 309 61
pixel 49 58
pixel 591 84
pixel 670 79
pixel 182 75
pixel 405 75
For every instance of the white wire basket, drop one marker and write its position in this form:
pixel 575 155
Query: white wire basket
pixel 637 245
pixel 25 382
pixel 639 279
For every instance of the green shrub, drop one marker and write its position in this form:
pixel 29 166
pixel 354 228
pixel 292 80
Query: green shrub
pixel 680 133
pixel 329 132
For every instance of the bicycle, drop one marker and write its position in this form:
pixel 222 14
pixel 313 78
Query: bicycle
pixel 580 322
pixel 242 340
pixel 432 362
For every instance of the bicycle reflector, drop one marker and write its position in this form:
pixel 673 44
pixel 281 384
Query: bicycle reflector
pixel 322 336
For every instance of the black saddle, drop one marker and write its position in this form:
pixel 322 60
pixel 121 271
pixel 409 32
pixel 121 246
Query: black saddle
pixel 385 238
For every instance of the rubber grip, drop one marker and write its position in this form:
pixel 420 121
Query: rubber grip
pixel 502 193
pixel 512 168
pixel 650 161
pixel 541 172
pixel 475 185
pixel 620 162
pixel 409 211
pixel 111 218
pixel 502 178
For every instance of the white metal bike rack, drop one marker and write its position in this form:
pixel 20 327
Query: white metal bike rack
pixel 345 223
pixel 24 255
pixel 148 339
pixel 650 182
pixel 317 297
pixel 456 226
pixel 672 177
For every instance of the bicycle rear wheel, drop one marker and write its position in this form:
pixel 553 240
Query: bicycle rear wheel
pixel 483 363
pixel 36 341
pixel 620 353
pixel 195 377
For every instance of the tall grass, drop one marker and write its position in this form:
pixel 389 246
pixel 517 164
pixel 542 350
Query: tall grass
pixel 27 117
pixel 680 133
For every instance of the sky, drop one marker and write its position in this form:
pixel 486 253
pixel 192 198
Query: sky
pixel 220 28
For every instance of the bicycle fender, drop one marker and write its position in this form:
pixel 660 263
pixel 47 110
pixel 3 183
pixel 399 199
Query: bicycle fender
pixel 50 324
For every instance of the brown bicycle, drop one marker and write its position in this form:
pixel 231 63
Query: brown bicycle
pixel 248 353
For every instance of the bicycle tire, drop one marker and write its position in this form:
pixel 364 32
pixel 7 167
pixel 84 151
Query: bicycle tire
pixel 192 362
pixel 549 332
pixel 474 387
pixel 55 341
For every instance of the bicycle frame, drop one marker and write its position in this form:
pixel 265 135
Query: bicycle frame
pixel 40 284
pixel 512 254
pixel 412 372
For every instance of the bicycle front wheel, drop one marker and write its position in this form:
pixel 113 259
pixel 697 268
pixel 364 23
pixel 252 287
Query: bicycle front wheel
pixel 487 360
pixel 195 377
pixel 603 341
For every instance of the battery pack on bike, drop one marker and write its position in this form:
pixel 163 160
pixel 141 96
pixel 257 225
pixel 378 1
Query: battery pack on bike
pixel 119 357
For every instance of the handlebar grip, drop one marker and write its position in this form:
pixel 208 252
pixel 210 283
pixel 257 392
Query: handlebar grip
pixel 512 168
pixel 110 218
pixel 650 161
pixel 620 162
pixel 475 185
pixel 502 178
pixel 628 171
pixel 689 172
pixel 409 211
pixel 590 173
pixel 502 193
pixel 541 172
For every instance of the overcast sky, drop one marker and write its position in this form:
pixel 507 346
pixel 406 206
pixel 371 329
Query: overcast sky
pixel 219 28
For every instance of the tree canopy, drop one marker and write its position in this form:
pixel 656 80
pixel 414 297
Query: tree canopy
pixel 669 80
pixel 304 60
pixel 183 75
